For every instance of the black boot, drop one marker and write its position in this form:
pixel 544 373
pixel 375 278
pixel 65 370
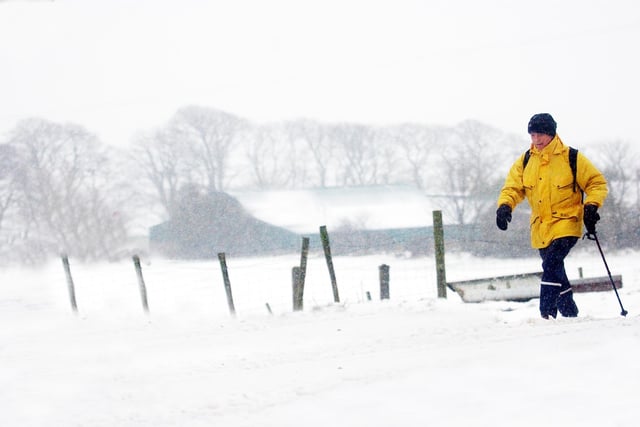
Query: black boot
pixel 549 300
pixel 566 305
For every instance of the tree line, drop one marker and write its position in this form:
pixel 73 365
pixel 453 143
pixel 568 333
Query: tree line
pixel 62 190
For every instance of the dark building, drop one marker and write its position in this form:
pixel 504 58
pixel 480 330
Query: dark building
pixel 203 226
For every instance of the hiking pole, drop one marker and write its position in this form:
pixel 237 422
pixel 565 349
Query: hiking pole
pixel 595 237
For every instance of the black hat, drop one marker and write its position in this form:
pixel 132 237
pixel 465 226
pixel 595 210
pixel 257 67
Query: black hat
pixel 542 123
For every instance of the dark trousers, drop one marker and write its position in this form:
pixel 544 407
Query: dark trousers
pixel 555 289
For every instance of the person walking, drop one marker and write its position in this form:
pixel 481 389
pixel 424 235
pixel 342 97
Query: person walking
pixel 561 199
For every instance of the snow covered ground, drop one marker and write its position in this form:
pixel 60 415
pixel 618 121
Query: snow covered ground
pixel 413 360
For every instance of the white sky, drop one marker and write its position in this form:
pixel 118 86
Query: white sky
pixel 118 67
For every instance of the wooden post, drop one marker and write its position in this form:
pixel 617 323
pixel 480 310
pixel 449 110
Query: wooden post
pixel 438 237
pixel 143 288
pixel 324 236
pixel 296 279
pixel 384 281
pixel 227 283
pixel 304 253
pixel 298 275
pixel 580 272
pixel 70 286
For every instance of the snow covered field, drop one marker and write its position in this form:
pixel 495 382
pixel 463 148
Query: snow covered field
pixel 413 360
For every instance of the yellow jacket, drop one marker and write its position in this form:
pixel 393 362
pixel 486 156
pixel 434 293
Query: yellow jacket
pixel 547 183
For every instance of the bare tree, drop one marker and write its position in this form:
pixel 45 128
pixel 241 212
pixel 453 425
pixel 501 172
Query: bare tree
pixel 359 159
pixel 319 145
pixel 209 135
pixel 163 163
pixel 384 143
pixel 301 162
pixel 415 146
pixel 8 169
pixel 62 185
pixel 469 171
pixel 620 216
pixel 269 156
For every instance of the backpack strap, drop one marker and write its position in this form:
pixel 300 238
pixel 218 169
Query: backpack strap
pixel 573 163
pixel 527 155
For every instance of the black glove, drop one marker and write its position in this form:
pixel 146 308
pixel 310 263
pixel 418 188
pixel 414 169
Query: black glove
pixel 503 216
pixel 591 216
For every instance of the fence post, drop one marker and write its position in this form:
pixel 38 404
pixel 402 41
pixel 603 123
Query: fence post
pixel 438 238
pixel 324 236
pixel 304 253
pixel 384 281
pixel 296 279
pixel 227 283
pixel 143 288
pixel 70 286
